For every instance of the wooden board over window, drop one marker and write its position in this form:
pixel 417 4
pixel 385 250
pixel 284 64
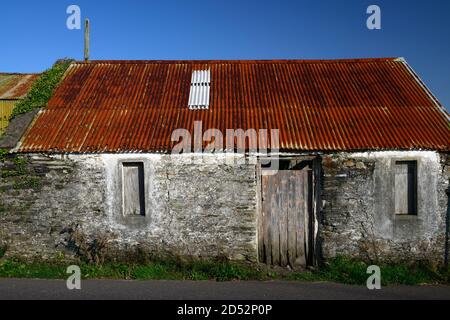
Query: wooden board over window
pixel 406 187
pixel 133 189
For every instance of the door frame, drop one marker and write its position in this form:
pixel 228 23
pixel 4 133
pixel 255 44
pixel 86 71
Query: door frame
pixel 313 241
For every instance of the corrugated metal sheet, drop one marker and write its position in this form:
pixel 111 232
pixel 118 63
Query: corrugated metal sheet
pixel 200 89
pixel 134 106
pixel 6 108
pixel 15 86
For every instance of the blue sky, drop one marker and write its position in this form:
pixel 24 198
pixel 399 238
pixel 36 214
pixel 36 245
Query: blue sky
pixel 34 33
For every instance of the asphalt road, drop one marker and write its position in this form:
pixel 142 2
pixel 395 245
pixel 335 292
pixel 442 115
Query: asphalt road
pixel 13 289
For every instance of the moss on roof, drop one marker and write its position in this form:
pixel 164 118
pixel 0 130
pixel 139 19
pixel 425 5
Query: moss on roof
pixel 42 89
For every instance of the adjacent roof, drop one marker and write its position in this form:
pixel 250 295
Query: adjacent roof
pixel 134 106
pixel 14 86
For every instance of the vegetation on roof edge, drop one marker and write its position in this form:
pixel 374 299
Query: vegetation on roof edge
pixel 42 89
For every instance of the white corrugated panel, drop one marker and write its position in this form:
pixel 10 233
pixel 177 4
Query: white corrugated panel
pixel 200 89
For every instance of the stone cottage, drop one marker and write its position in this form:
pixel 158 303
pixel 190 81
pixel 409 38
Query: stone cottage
pixel 280 162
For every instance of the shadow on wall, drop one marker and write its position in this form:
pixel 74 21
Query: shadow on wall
pixel 447 222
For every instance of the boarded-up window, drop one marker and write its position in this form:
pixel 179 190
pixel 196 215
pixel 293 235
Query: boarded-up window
pixel 133 189
pixel 406 187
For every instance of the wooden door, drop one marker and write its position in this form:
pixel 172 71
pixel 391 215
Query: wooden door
pixel 284 226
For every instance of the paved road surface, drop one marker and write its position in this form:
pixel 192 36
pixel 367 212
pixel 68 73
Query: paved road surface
pixel 206 290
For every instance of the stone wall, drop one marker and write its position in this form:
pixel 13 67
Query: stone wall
pixel 66 207
pixel 358 217
pixel 63 207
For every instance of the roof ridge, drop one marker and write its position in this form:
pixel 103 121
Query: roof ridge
pixel 231 61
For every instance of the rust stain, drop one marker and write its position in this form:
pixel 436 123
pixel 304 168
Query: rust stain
pixel 318 105
pixel 15 86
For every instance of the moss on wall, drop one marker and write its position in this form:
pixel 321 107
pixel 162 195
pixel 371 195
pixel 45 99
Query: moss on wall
pixel 15 174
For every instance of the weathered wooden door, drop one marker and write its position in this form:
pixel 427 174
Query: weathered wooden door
pixel 284 225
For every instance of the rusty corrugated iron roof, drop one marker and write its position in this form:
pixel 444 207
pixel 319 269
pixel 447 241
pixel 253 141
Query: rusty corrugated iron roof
pixel 14 86
pixel 134 106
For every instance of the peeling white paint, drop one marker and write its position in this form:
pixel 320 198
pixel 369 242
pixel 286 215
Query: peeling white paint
pixel 430 155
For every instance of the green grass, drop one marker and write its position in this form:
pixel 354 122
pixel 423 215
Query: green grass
pixel 349 271
pixel 42 89
pixel 341 270
pixel 167 270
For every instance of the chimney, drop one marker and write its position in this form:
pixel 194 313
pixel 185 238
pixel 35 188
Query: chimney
pixel 86 40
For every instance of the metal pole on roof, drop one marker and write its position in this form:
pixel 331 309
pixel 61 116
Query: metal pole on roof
pixel 86 40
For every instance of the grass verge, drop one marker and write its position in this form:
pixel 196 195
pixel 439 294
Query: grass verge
pixel 158 270
pixel 349 271
pixel 341 270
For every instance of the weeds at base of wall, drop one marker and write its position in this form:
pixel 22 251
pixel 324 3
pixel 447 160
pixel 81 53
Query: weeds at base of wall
pixel 350 271
pixel 88 251
pixel 340 269
pixel 156 270
pixel 3 249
